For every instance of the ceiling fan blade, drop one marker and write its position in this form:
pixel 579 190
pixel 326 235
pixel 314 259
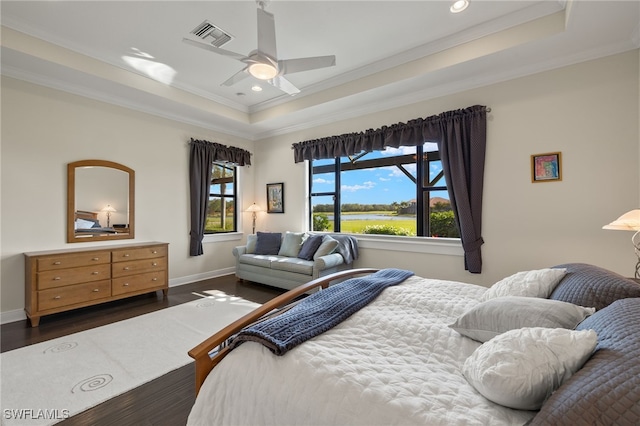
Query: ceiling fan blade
pixel 267 34
pixel 239 76
pixel 214 49
pixel 284 85
pixel 289 66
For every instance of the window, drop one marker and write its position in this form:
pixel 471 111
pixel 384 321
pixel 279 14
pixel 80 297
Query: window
pixel 398 191
pixel 221 209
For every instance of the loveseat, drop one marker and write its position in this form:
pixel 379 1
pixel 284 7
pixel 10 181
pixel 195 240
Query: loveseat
pixel 286 260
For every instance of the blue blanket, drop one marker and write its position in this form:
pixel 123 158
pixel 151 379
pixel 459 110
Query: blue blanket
pixel 319 312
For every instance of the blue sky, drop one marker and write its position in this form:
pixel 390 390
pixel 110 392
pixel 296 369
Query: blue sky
pixel 374 186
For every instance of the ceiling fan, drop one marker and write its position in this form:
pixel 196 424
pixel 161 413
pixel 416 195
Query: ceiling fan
pixel 263 63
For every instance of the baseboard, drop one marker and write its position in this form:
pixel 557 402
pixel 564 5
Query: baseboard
pixel 200 277
pixel 19 314
pixel 12 316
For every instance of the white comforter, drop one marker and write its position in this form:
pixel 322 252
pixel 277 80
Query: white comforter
pixel 395 362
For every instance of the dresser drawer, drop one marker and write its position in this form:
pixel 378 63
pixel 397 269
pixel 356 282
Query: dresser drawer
pixel 138 282
pixel 126 255
pixel 65 277
pixel 121 269
pixel 64 261
pixel 57 297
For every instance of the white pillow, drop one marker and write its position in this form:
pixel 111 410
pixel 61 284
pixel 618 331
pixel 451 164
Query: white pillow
pixel 252 239
pixel 488 319
pixel 536 283
pixel 521 368
pixel 291 243
pixel 328 246
pixel 84 224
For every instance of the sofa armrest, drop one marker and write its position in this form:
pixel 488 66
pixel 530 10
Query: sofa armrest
pixel 327 261
pixel 239 251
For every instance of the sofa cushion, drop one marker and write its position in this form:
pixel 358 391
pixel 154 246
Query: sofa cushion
pixel 328 246
pixel 291 244
pixel 293 264
pixel 257 260
pixel 251 243
pixel 310 246
pixel 268 243
pixel 589 285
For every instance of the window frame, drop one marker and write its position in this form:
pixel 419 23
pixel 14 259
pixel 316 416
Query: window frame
pixel 423 212
pixel 233 196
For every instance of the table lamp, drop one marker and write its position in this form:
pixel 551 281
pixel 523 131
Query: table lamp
pixel 629 221
pixel 109 210
pixel 254 209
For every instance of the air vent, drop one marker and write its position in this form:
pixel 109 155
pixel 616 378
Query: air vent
pixel 211 34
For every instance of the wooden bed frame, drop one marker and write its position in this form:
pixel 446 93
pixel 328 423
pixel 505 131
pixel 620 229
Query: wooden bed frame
pixel 81 214
pixel 205 363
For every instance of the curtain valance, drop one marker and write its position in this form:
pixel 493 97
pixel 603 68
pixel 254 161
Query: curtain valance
pixel 412 133
pixel 223 153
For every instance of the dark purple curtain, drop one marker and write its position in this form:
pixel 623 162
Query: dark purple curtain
pixel 201 158
pixel 461 138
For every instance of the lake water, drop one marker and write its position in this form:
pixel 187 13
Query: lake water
pixel 371 217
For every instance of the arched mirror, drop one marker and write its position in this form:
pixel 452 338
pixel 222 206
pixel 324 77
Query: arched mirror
pixel 100 201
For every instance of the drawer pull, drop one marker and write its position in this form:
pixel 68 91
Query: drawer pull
pixel 96 290
pixel 155 252
pixel 95 273
pixel 126 268
pixel 125 285
pixel 57 263
pixel 125 255
pixel 57 278
pixel 154 279
pixel 96 258
pixel 58 297
pixel 154 264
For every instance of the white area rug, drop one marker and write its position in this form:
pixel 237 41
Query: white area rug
pixel 47 382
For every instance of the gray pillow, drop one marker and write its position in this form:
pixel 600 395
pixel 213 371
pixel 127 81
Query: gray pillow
pixel 310 246
pixel 496 316
pixel 589 285
pixel 268 242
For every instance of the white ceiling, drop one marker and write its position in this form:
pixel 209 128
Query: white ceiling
pixel 388 53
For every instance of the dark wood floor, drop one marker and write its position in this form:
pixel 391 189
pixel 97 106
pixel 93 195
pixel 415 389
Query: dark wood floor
pixel 164 401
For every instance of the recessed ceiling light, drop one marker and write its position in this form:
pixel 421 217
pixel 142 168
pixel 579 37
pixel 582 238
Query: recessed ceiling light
pixel 459 6
pixel 256 88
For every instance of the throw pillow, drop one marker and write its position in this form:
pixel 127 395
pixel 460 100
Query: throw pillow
pixel 536 283
pixel 521 368
pixel 496 316
pixel 268 242
pixel 252 239
pixel 291 244
pixel 310 246
pixel 328 246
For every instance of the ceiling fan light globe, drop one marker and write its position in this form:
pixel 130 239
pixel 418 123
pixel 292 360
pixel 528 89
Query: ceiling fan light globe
pixel 263 71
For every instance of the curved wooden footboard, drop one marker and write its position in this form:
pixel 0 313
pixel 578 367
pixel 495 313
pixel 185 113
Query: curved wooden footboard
pixel 205 363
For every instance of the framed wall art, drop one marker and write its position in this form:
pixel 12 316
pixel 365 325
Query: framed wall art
pixel 546 167
pixel 275 197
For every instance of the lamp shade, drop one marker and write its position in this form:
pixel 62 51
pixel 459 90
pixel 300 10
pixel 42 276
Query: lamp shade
pixel 254 208
pixel 629 221
pixel 109 209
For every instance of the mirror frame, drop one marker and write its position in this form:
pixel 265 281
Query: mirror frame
pixel 71 201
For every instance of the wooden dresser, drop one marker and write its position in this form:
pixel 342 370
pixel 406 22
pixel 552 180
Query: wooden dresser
pixel 61 280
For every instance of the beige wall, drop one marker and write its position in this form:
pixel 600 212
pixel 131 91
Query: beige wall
pixel 588 111
pixel 44 129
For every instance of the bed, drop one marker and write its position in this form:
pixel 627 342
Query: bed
pixel 552 346
pixel 87 224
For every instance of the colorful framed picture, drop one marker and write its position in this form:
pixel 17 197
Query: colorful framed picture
pixel 546 167
pixel 275 197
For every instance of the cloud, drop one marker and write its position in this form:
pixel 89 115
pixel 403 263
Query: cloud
pixel 354 188
pixel 321 181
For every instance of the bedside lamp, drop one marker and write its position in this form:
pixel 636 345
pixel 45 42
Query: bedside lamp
pixel 109 210
pixel 629 221
pixel 254 209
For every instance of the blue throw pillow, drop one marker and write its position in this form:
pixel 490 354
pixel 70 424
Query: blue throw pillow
pixel 268 243
pixel 310 246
